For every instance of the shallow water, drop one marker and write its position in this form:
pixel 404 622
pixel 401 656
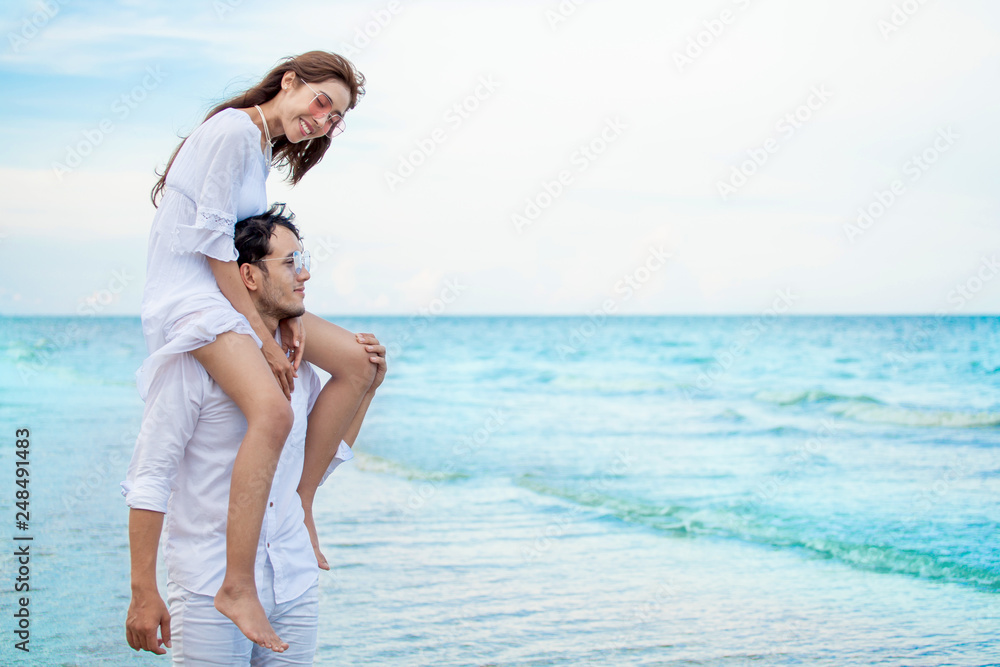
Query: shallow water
pixel 557 491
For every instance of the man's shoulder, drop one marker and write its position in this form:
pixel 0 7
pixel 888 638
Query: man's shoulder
pixel 184 370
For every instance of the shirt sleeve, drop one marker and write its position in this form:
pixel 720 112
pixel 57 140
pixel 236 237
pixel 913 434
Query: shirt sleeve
pixel 168 424
pixel 344 453
pixel 222 151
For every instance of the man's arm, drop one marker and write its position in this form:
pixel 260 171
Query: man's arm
pixel 168 424
pixel 147 611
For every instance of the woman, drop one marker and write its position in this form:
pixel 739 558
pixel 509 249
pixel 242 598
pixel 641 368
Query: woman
pixel 194 300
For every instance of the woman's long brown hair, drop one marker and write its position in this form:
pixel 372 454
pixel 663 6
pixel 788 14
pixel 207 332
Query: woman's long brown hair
pixel 312 67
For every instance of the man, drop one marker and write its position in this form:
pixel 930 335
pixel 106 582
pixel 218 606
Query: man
pixel 180 474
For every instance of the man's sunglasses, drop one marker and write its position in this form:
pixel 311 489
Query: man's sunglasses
pixel 300 260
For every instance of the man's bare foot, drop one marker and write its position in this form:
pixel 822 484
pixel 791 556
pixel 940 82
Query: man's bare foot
pixel 314 538
pixel 242 607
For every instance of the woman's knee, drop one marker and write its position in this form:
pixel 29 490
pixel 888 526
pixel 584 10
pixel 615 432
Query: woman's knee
pixel 273 416
pixel 360 370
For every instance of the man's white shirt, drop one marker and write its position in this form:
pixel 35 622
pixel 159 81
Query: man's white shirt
pixel 182 465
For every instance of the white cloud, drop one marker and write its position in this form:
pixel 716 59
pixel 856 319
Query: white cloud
pixel 555 91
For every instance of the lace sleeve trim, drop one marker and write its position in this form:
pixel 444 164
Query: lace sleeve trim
pixel 216 221
pixel 211 234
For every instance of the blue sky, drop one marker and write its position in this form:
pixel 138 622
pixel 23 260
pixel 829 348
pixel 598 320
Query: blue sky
pixel 556 149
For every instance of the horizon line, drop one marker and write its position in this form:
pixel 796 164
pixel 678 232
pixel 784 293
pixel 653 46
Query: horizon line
pixel 537 315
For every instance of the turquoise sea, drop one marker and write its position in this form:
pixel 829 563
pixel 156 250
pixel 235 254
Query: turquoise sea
pixel 574 491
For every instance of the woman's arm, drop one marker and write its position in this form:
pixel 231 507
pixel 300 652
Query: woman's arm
pixel 377 350
pixel 227 274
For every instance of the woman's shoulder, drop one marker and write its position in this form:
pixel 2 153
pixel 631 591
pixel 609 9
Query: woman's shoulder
pixel 229 125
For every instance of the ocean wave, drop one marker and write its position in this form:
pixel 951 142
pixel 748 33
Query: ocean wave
pixel 785 432
pixel 621 386
pixel 378 464
pixel 729 415
pixel 873 411
pixel 26 353
pixel 671 518
pixel 746 523
pixel 694 361
pixel 802 397
pixel 901 416
pixel 889 559
pixel 988 370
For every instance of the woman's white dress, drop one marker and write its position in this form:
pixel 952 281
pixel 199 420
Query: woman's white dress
pixel 217 178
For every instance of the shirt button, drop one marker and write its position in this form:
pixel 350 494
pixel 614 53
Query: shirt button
pixel 272 504
pixel 268 544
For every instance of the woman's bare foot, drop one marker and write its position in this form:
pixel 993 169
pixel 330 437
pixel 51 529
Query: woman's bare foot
pixel 242 607
pixel 314 538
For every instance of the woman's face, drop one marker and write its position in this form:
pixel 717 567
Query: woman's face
pixel 296 120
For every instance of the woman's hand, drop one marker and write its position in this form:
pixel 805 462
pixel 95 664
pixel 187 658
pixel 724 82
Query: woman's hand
pixel 293 339
pixel 282 368
pixel 377 357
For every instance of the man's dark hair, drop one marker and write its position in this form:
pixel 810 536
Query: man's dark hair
pixel 253 235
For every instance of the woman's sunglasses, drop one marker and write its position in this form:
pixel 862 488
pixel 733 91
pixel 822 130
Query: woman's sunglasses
pixel 321 108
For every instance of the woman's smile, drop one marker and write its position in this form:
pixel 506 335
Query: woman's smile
pixel 305 128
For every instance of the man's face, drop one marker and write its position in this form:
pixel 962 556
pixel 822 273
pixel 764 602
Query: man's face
pixel 282 290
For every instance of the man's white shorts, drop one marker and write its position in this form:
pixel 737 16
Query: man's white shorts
pixel 200 635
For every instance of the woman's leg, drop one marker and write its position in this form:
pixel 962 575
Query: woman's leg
pixel 336 351
pixel 234 361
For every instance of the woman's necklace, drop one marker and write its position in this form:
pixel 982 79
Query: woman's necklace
pixel 267 132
